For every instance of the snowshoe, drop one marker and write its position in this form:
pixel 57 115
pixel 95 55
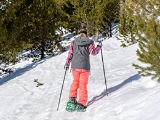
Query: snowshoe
pixel 71 104
pixel 80 107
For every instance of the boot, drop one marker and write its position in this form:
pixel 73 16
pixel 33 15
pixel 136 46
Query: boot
pixel 80 107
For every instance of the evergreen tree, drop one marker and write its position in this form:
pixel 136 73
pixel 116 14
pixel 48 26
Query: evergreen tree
pixel 127 27
pixel 30 22
pixel 95 16
pixel 89 14
pixel 111 15
pixel 42 20
pixel 9 31
pixel 149 39
pixel 70 25
pixel 140 19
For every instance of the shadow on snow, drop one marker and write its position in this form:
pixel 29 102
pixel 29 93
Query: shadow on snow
pixel 113 89
pixel 21 71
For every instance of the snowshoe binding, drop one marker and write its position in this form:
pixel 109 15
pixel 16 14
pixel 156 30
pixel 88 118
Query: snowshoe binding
pixel 80 107
pixel 71 104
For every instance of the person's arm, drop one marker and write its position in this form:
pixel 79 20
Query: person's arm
pixel 70 55
pixel 94 50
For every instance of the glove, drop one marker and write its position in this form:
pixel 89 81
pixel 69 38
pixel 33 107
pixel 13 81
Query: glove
pixel 66 67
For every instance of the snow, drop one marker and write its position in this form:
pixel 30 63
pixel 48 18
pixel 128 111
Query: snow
pixel 131 96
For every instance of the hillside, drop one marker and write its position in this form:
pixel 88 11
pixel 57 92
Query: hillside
pixel 131 96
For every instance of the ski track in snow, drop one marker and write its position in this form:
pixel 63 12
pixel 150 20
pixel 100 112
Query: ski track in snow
pixel 131 97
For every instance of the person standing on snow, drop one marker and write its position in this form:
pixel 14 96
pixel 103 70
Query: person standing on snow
pixel 79 56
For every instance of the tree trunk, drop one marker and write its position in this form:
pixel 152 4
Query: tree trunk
pixel 96 35
pixel 60 47
pixel 110 30
pixel 132 38
pixel 42 49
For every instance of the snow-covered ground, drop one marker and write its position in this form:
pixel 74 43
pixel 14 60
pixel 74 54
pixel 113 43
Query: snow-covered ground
pixel 131 96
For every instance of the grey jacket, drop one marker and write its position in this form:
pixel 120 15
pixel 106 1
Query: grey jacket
pixel 80 58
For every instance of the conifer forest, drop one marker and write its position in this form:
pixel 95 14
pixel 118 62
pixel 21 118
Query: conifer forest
pixel 38 26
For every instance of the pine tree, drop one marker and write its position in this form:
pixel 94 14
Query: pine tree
pixel 140 18
pixel 9 31
pixel 43 19
pixel 72 26
pixel 89 14
pixel 148 26
pixel 30 22
pixel 93 15
pixel 111 15
pixel 128 26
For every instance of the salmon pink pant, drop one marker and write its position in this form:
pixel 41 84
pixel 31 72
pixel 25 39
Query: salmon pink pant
pixel 80 81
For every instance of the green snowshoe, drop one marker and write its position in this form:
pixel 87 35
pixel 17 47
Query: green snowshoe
pixel 70 107
pixel 71 104
pixel 80 107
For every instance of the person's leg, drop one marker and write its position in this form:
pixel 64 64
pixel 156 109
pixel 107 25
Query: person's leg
pixel 75 84
pixel 83 93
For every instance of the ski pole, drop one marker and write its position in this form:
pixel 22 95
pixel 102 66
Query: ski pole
pixel 61 89
pixel 104 71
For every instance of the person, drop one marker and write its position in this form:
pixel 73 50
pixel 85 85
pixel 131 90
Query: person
pixel 79 57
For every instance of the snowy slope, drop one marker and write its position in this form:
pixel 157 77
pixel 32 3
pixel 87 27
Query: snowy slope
pixel 131 97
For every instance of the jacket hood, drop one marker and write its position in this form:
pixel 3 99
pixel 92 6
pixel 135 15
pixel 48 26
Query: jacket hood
pixel 82 41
